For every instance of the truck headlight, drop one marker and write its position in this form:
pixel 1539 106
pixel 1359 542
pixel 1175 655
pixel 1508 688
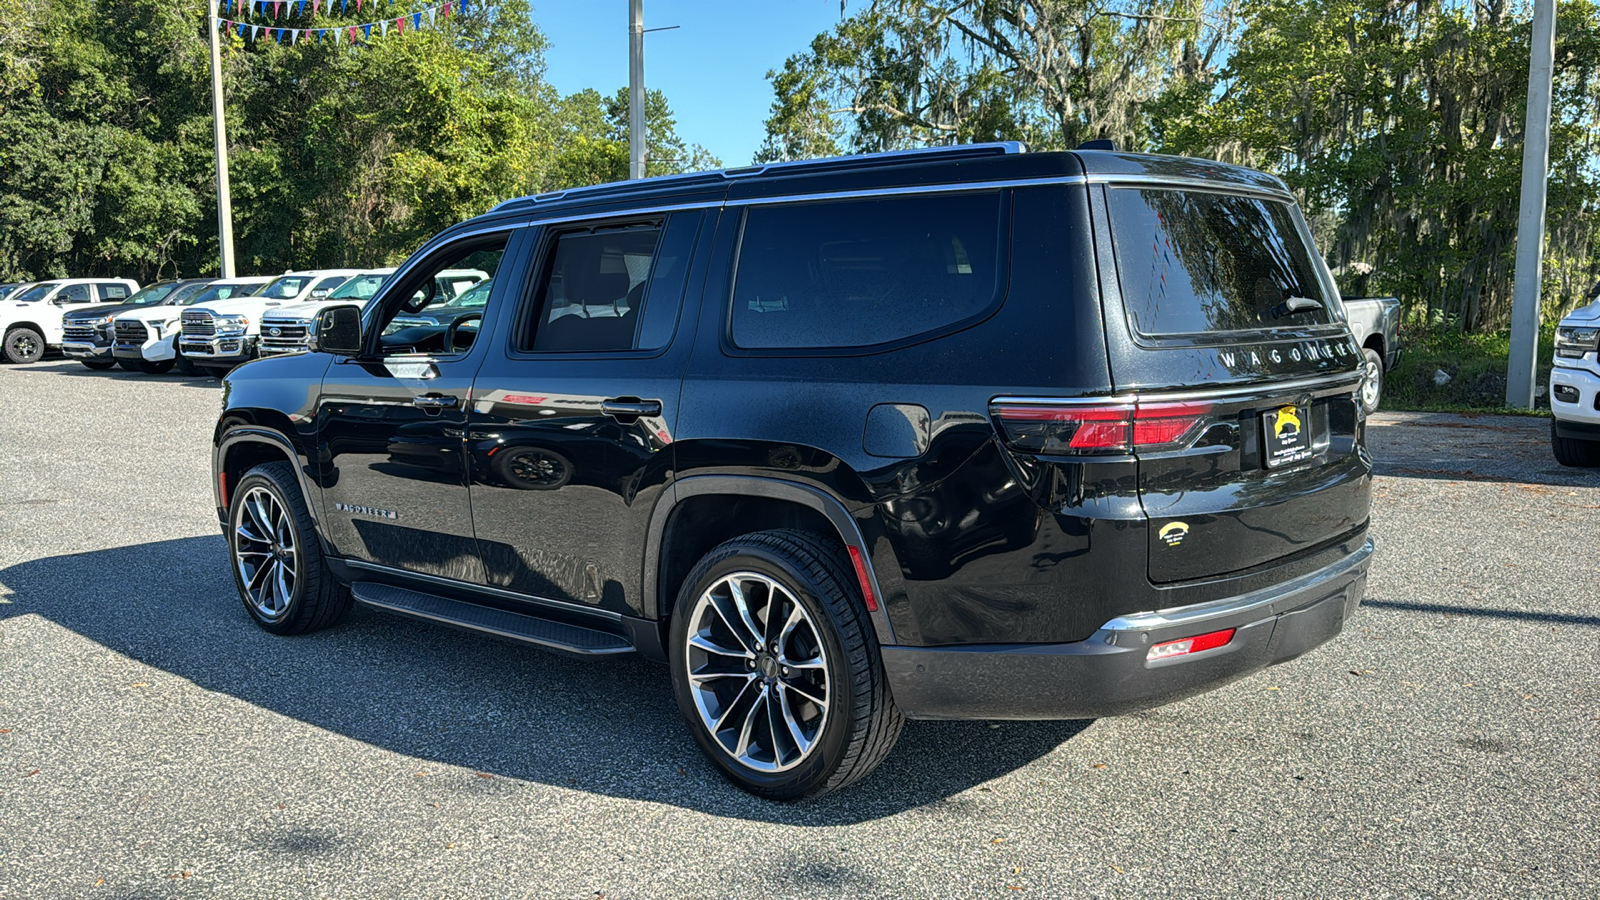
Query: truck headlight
pixel 231 325
pixel 1573 342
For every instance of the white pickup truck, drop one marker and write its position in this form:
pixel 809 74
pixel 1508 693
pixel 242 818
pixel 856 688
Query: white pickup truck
pixel 147 339
pixel 218 336
pixel 288 329
pixel 1575 388
pixel 30 318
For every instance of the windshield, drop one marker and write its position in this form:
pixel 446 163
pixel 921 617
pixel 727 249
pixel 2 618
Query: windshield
pixel 37 292
pixel 219 292
pixel 361 287
pixel 477 296
pixel 288 287
pixel 151 295
pixel 181 296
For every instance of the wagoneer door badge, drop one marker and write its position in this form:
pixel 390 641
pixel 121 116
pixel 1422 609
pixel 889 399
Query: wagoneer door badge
pixel 1173 533
pixel 376 513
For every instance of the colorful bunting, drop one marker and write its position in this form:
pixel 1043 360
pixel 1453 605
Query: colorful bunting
pixel 340 34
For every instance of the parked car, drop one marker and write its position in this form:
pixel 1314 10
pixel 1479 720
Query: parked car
pixel 30 319
pixel 1375 322
pixel 959 433
pixel 1575 389
pixel 287 329
pixel 220 335
pixel 88 334
pixel 147 338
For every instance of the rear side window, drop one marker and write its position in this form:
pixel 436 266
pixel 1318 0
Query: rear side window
pixel 1194 263
pixel 860 273
pixel 113 292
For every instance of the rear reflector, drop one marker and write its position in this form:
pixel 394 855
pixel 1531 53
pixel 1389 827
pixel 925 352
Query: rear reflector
pixel 861 576
pixel 1062 428
pixel 1169 649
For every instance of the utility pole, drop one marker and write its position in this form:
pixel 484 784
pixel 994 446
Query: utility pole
pixel 1521 370
pixel 220 131
pixel 636 143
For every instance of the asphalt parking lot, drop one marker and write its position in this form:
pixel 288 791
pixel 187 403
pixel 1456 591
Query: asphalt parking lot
pixel 153 742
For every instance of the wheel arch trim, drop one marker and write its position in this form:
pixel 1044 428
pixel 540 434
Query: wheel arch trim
pixel 254 434
pixel 805 495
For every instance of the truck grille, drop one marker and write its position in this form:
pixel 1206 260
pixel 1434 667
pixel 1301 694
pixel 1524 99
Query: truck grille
pixel 287 334
pixel 130 332
pixel 75 331
pixel 198 323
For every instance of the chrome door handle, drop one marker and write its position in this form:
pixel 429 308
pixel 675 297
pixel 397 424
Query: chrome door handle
pixel 618 407
pixel 433 401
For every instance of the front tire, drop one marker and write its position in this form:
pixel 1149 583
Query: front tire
pixel 23 345
pixel 776 668
pixel 277 562
pixel 155 366
pixel 99 365
pixel 1575 452
pixel 1371 380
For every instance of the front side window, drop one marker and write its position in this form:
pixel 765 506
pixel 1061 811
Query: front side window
pixel 361 287
pixel 1198 263
pixel 420 316
pixel 37 292
pixel 286 288
pixel 859 273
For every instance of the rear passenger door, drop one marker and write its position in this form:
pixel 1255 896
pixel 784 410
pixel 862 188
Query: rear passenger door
pixel 570 430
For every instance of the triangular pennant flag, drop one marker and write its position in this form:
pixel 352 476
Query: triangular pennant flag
pixel 400 23
pixel 463 7
pixel 294 35
pixel 255 32
pixel 366 31
pixel 383 28
pixel 300 10
pixel 358 5
pixel 447 10
pixel 416 21
pixel 342 6
pixel 314 4
pixel 430 16
pixel 352 34
pixel 241 29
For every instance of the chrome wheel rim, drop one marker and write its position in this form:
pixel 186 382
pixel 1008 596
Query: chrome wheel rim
pixel 758 672
pixel 1369 384
pixel 264 552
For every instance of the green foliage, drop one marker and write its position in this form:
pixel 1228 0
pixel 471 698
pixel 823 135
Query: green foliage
pixel 1476 364
pixel 339 154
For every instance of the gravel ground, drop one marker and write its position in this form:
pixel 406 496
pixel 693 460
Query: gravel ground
pixel 153 742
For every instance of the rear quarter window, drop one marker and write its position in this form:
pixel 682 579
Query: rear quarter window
pixel 1199 263
pixel 864 273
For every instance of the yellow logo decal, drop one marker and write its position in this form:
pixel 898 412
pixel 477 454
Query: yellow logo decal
pixel 1173 533
pixel 1288 418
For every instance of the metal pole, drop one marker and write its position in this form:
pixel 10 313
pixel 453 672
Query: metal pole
pixel 220 132
pixel 1520 371
pixel 636 143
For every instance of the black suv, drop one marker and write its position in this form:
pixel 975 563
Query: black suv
pixel 956 433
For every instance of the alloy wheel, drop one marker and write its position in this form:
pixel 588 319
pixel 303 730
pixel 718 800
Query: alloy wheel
pixel 758 672
pixel 264 552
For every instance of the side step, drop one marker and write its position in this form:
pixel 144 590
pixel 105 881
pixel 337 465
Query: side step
pixel 574 640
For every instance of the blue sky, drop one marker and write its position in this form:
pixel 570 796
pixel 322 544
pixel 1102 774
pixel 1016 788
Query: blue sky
pixel 712 68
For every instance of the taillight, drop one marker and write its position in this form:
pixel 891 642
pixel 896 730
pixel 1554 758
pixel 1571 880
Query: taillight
pixel 1042 426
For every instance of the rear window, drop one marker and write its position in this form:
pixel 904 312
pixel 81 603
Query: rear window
pixel 1193 262
pixel 860 273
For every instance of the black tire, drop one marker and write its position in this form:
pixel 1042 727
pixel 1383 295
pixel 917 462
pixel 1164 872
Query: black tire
pixel 23 345
pixel 861 723
pixel 1371 380
pixel 130 365
pixel 217 372
pixel 99 365
pixel 155 366
pixel 1575 452
pixel 313 599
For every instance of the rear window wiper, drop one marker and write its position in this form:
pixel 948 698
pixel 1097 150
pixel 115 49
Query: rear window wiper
pixel 1292 305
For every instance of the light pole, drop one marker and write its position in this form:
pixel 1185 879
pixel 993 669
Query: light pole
pixel 220 133
pixel 1521 369
pixel 636 143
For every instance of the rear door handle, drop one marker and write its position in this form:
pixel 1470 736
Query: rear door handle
pixel 620 407
pixel 433 401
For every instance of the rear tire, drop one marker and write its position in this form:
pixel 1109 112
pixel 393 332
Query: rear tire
pixel 99 365
pixel 23 345
pixel 1575 452
pixel 765 626
pixel 1371 380
pixel 277 562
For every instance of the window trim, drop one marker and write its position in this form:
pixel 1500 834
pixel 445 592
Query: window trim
pixel 528 305
pixel 1002 284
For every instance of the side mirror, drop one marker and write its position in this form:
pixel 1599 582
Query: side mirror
pixel 320 293
pixel 337 331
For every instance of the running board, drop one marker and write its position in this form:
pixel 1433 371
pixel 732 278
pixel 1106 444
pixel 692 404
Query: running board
pixel 560 637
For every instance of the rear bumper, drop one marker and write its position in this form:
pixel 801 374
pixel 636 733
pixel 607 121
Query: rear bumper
pixel 1108 674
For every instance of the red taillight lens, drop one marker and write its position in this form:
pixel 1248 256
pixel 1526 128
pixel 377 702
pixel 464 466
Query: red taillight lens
pixel 1185 646
pixel 1071 428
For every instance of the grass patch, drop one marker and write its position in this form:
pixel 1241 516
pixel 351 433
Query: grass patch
pixel 1476 366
